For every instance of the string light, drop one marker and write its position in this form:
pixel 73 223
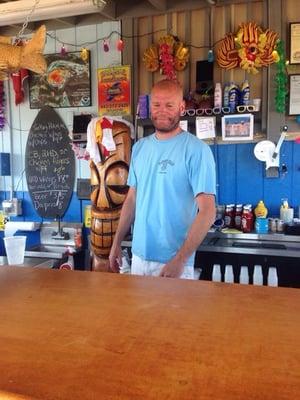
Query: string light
pixel 101 39
pixel 63 50
pixel 120 45
pixel 84 54
pixel 105 45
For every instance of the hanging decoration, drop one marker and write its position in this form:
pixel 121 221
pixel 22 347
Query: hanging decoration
pixel 29 56
pixel 2 106
pixel 281 79
pixel 250 48
pixel 84 54
pixel 210 54
pixel 63 50
pixel 106 46
pixel 120 45
pixel 168 56
pixel 18 78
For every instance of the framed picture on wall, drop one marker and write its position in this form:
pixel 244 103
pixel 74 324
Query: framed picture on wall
pixel 294 94
pixel 294 34
pixel 114 90
pixel 237 127
pixel 66 82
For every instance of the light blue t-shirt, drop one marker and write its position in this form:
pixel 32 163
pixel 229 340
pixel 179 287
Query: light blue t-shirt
pixel 168 175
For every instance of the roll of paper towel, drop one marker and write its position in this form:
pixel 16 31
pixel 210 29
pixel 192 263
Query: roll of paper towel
pixel 11 227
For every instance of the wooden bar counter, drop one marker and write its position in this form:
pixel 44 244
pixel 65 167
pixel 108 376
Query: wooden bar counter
pixel 97 336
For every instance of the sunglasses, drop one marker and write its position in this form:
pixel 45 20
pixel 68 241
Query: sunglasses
pixel 206 111
pixel 241 109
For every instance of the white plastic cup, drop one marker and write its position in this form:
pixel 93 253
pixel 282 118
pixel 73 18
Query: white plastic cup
pixel 287 215
pixel 244 275
pixel 257 104
pixel 216 274
pixel 15 249
pixel 272 277
pixel 257 275
pixel 228 278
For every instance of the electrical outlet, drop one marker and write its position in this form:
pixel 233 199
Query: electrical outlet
pixel 12 207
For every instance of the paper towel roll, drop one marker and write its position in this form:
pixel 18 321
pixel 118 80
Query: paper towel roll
pixel 11 227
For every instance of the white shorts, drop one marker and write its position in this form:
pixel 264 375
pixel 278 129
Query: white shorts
pixel 153 268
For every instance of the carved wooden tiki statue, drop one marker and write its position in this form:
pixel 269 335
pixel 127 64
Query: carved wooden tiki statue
pixel 109 189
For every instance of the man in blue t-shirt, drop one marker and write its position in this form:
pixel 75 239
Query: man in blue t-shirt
pixel 171 178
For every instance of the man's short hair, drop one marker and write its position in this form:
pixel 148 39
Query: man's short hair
pixel 168 85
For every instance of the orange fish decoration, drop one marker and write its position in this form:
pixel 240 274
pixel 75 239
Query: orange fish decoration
pixel 250 48
pixel 29 56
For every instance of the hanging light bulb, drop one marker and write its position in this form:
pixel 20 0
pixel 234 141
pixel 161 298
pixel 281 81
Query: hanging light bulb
pixel 105 46
pixel 63 50
pixel 84 54
pixel 120 45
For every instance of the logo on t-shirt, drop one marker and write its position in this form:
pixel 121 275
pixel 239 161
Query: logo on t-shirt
pixel 164 165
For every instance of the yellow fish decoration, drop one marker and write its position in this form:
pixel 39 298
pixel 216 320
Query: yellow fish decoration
pixel 30 56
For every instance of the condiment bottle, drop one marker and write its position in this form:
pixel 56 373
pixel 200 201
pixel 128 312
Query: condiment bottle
pixel 247 219
pixel 229 216
pixel 261 210
pixel 238 216
pixel 218 96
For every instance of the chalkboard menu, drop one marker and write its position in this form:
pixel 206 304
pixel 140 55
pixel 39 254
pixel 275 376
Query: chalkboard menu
pixel 49 164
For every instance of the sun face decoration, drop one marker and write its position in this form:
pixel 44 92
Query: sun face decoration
pixel 250 48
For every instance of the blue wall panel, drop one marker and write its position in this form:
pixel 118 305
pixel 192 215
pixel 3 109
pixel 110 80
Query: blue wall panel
pixel 241 179
pixel 249 187
pixel 295 182
pixel 276 189
pixel 226 174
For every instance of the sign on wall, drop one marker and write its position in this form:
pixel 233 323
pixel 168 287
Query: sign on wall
pixel 66 82
pixel 114 90
pixel 49 164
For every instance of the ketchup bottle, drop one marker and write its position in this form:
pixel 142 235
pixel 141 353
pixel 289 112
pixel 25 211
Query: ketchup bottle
pixel 247 219
pixel 229 216
pixel 238 216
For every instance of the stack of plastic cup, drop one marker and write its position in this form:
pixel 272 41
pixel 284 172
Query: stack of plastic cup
pixel 15 249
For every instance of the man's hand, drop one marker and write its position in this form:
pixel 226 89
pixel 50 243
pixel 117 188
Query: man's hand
pixel 115 258
pixel 173 269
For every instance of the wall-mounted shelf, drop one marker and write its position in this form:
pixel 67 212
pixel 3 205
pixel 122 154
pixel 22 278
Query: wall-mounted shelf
pixel 148 129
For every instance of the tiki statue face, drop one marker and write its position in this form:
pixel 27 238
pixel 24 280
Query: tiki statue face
pixel 109 189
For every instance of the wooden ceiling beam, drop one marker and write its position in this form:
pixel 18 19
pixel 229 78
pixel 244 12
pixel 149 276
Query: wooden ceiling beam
pixel 159 4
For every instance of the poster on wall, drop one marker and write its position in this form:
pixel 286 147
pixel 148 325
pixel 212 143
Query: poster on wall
pixel 114 97
pixel 66 82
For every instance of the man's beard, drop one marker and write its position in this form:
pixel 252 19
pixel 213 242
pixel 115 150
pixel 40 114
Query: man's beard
pixel 167 127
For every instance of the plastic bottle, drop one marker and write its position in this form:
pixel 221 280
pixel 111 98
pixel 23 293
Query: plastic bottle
pixel 244 275
pixel 238 216
pixel 245 94
pixel 229 216
pixel 228 274
pixel 216 274
pixel 247 219
pixel 218 96
pixel 257 275
pixel 226 95
pixel 233 94
pixel 272 277
pixel 261 210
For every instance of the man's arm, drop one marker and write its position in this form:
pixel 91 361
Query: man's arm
pixel 198 230
pixel 126 219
